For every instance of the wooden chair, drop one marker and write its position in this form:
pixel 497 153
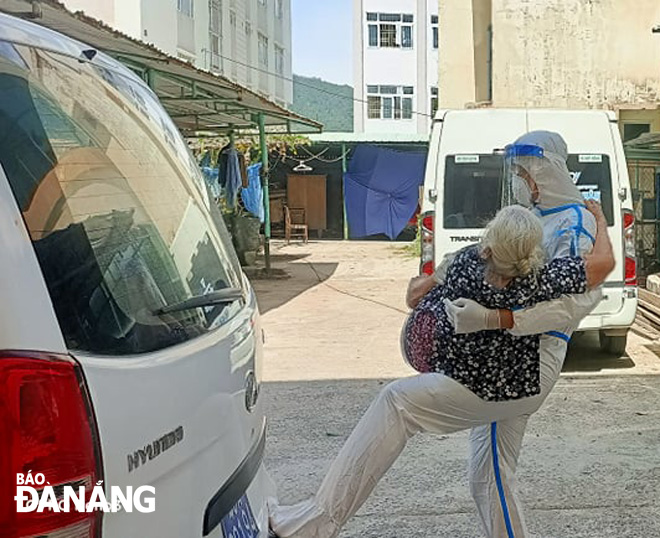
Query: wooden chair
pixel 295 223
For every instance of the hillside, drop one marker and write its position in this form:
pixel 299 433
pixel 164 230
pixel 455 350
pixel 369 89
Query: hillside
pixel 331 104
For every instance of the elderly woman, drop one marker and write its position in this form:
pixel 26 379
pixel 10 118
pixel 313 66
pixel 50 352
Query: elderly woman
pixel 505 271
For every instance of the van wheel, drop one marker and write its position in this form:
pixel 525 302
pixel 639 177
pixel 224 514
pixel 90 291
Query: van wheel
pixel 614 345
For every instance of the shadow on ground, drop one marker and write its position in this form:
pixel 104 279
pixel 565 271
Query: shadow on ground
pixel 585 355
pixel 299 276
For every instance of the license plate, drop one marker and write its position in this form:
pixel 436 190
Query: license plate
pixel 240 522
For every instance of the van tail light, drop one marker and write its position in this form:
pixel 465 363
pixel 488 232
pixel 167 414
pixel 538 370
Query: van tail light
pixel 46 426
pixel 427 225
pixel 629 248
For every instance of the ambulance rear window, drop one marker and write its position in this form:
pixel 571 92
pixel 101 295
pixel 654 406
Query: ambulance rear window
pixel 473 186
pixel 472 192
pixel 591 173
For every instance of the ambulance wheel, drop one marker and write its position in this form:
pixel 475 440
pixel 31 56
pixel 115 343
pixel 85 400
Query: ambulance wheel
pixel 614 345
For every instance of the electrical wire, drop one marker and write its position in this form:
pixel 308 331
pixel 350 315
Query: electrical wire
pixel 311 157
pixel 355 296
pixel 288 79
pixel 329 161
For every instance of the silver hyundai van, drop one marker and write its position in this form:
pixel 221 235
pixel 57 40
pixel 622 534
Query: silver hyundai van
pixel 130 344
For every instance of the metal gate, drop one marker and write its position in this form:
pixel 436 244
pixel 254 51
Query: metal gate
pixel 644 171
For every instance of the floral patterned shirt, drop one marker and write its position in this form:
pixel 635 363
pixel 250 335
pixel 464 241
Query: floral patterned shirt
pixel 495 365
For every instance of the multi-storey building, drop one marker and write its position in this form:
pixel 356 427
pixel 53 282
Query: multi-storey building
pixel 395 65
pixel 247 41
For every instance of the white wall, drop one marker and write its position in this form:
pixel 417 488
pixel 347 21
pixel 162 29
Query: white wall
pixel 103 10
pixel 571 53
pixel 159 23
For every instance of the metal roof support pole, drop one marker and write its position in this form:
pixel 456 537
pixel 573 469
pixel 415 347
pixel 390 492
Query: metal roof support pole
pixel 263 145
pixel 344 167
pixel 151 78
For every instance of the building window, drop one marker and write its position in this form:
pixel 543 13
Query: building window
pixel 434 30
pixel 234 43
pixel 248 45
pixel 279 60
pixel 406 37
pixel 279 69
pixel 215 31
pixel 263 51
pixel 387 108
pixel 434 101
pixel 390 102
pixel 373 107
pixel 279 9
pixel 185 7
pixel 388 35
pixel 390 30
pixel 373 35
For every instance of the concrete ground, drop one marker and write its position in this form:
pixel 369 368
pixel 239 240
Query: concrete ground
pixel 590 465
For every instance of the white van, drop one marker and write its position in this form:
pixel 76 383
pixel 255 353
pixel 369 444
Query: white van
pixel 130 344
pixel 462 191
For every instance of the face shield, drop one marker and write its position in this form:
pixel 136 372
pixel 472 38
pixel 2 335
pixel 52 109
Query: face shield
pixel 520 163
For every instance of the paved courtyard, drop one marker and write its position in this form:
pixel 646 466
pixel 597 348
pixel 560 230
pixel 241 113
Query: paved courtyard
pixel 590 465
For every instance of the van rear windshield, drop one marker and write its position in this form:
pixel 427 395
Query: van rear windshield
pixel 473 190
pixel 473 186
pixel 114 204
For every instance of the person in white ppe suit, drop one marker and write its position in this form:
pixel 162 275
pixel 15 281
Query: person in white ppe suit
pixel 437 403
pixel 543 182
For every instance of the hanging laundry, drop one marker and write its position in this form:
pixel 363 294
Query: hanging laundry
pixel 253 196
pixel 206 160
pixel 229 174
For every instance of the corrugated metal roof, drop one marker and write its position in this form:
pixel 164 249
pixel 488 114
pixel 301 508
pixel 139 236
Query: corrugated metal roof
pixel 197 100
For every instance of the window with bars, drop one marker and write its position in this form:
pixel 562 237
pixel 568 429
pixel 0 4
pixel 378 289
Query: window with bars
pixel 390 102
pixel 374 107
pixel 434 31
pixel 185 7
pixel 390 30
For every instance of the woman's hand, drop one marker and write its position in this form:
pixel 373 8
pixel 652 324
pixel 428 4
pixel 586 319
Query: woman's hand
pixel 597 211
pixel 417 288
pixel 600 262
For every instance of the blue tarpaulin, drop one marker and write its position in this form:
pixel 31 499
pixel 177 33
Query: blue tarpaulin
pixel 382 190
